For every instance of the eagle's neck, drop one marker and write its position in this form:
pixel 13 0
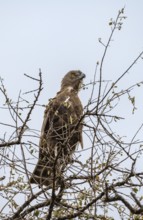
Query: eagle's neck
pixel 70 89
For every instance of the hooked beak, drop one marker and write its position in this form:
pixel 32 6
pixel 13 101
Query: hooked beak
pixel 82 76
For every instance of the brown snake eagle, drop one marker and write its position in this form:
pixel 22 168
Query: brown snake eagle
pixel 61 131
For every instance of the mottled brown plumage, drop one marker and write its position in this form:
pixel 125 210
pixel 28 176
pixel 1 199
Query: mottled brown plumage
pixel 61 131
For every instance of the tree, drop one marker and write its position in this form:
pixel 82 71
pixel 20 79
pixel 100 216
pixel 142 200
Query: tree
pixel 105 180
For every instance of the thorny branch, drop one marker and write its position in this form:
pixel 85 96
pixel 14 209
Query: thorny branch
pixel 24 125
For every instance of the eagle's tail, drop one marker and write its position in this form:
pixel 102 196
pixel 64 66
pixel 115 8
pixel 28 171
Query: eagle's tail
pixel 44 175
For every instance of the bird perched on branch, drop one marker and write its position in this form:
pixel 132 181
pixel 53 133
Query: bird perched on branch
pixel 61 131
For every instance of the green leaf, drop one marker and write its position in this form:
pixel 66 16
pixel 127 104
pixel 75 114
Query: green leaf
pixel 135 190
pixel 36 213
pixel 132 100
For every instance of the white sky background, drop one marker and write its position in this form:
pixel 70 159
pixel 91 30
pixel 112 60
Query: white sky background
pixel 61 35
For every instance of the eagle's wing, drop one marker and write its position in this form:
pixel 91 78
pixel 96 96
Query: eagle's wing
pixel 59 136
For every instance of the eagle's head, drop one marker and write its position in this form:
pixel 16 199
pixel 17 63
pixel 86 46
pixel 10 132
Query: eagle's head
pixel 73 79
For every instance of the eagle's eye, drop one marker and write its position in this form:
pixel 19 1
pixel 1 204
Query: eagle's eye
pixel 73 75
